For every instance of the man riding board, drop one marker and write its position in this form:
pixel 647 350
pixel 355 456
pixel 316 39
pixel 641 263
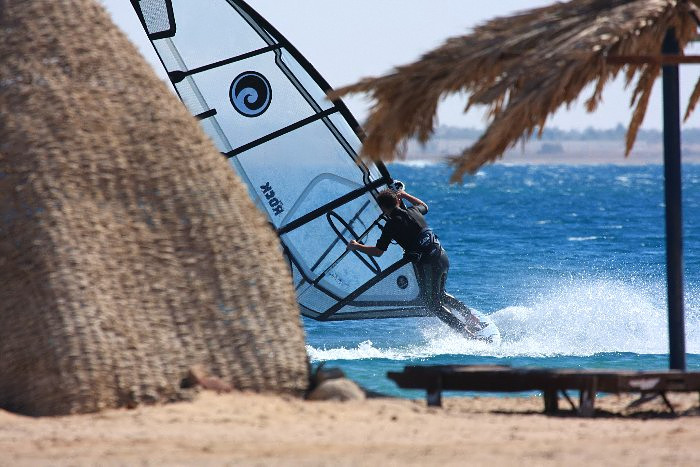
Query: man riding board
pixel 408 228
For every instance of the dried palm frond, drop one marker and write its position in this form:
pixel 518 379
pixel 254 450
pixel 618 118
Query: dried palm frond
pixel 523 68
pixel 693 100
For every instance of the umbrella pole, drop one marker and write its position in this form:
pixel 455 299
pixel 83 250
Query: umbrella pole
pixel 674 226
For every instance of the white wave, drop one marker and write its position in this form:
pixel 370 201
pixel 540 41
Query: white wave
pixel 417 163
pixel 578 318
pixel 582 239
pixel 440 341
pixel 364 350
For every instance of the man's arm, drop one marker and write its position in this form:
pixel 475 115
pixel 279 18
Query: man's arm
pixel 412 199
pixel 370 250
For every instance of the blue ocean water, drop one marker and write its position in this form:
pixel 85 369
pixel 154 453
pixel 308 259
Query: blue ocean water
pixel 569 262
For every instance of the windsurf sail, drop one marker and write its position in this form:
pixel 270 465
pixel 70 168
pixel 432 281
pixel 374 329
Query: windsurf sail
pixel 265 108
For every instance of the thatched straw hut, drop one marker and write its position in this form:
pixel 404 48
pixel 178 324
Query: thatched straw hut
pixel 129 251
pixel 523 68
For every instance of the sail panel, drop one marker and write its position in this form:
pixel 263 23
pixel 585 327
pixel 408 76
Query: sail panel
pixel 211 31
pixel 158 18
pixel 169 55
pixel 399 286
pixel 268 102
pixel 303 81
pixel 317 246
pixel 289 166
pixel 191 96
pixel 349 136
pixel 213 130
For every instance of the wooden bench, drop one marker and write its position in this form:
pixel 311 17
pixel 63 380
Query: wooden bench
pixel 552 382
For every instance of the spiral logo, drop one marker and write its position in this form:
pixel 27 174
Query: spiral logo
pixel 402 282
pixel 250 94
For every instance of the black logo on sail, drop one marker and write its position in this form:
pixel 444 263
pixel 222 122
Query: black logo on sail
pixel 272 200
pixel 250 94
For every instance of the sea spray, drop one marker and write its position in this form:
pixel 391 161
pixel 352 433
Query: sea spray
pixel 584 318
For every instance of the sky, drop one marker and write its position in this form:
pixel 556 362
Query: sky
pixel 351 39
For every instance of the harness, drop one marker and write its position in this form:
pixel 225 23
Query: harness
pixel 428 244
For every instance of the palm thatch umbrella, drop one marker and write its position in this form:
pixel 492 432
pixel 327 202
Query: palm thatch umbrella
pixel 129 250
pixel 525 67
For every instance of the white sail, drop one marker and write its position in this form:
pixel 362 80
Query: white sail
pixel 265 107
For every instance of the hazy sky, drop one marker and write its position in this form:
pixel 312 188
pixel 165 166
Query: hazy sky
pixel 350 39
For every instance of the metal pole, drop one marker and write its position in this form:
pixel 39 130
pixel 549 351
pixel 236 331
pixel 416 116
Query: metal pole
pixel 674 225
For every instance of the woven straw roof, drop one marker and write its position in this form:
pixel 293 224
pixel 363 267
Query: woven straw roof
pixel 523 68
pixel 129 250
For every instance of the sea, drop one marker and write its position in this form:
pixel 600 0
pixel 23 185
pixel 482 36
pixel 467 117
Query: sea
pixel 568 261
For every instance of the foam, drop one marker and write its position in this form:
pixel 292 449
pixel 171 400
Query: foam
pixel 418 163
pixel 582 239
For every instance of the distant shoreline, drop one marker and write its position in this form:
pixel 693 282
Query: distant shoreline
pixel 516 162
pixel 539 152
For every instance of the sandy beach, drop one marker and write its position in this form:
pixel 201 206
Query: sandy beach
pixel 254 429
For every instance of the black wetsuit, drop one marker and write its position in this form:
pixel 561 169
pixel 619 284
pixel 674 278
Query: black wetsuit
pixel 411 232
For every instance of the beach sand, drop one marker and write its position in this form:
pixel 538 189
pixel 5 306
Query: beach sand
pixel 254 429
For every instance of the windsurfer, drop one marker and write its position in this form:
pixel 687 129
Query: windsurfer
pixel 408 228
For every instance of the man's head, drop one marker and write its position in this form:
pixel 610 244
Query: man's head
pixel 387 200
